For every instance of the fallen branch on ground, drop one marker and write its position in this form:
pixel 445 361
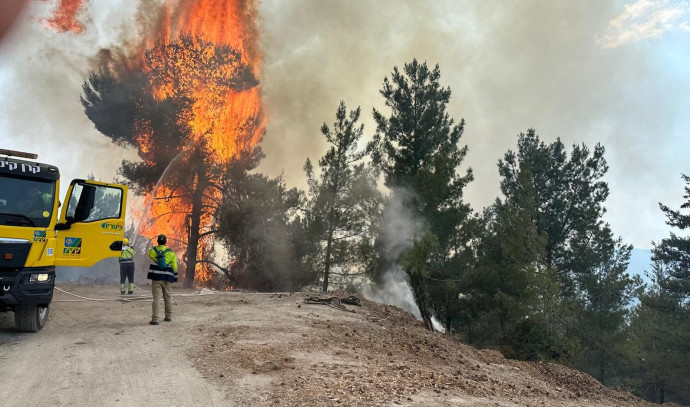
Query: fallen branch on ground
pixel 334 302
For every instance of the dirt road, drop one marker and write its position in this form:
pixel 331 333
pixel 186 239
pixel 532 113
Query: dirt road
pixel 102 353
pixel 243 349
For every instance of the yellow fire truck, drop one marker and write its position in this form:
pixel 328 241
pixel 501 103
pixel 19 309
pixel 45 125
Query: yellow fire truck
pixel 38 232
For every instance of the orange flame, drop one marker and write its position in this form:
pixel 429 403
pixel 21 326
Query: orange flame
pixel 218 118
pixel 64 17
pixel 228 121
pixel 221 22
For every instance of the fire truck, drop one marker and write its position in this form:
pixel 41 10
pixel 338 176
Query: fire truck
pixel 39 232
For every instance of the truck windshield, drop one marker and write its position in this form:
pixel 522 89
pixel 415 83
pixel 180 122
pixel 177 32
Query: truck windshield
pixel 26 202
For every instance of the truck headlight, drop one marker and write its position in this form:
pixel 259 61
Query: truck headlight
pixel 39 277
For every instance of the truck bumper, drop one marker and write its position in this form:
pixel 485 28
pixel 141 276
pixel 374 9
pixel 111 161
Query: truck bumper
pixel 18 287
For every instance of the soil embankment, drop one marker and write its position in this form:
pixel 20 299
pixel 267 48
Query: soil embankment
pixel 241 349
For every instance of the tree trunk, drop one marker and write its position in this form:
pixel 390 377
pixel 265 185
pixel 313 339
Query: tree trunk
pixel 327 267
pixel 426 318
pixel 193 243
pixel 329 241
pixel 419 292
pixel 549 256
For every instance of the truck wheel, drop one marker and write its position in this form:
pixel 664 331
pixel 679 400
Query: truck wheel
pixel 30 317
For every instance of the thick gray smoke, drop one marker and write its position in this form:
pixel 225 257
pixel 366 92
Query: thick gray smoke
pixel 399 224
pixel 609 72
pixel 586 72
pixel 399 227
pixel 41 74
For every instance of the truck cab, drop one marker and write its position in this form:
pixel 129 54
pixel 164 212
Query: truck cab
pixel 39 232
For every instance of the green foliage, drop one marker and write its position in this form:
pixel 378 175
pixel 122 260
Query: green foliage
pixel 510 255
pixel 513 292
pixel 416 148
pixel 344 202
pixel 257 225
pixel 604 305
pixel 658 348
pixel 659 344
pixel 550 280
pixel 450 282
pixel 534 339
pixel 569 207
pixel 674 251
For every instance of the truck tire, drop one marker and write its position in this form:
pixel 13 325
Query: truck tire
pixel 30 317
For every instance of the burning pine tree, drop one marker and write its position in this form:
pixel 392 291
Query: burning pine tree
pixel 190 106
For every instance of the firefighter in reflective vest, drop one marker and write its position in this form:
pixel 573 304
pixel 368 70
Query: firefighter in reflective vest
pixel 126 267
pixel 162 273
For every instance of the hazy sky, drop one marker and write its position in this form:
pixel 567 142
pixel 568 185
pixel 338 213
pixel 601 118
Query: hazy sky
pixel 613 72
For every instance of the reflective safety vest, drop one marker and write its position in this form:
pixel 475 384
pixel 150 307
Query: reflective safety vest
pixel 127 255
pixel 167 273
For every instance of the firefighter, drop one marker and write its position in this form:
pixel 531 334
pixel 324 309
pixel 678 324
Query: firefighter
pixel 162 273
pixel 126 267
pixel 36 201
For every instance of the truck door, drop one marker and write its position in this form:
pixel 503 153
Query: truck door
pixel 92 223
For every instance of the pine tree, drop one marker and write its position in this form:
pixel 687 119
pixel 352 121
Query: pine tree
pixel 567 194
pixel 660 329
pixel 658 348
pixel 343 202
pixel 571 194
pixel 256 221
pixel 153 111
pixel 510 257
pixel 605 307
pixel 416 148
pixel 674 251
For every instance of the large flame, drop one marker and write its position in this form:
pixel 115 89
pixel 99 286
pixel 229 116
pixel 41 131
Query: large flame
pixel 222 120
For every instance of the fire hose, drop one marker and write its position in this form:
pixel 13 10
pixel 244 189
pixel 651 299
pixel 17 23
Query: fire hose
pixel 123 299
pixel 97 299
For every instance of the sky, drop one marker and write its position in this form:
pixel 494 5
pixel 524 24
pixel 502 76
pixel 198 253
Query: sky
pixel 609 72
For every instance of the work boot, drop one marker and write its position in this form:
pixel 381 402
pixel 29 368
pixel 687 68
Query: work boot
pixel 167 319
pixel 122 292
pixel 154 322
pixel 129 292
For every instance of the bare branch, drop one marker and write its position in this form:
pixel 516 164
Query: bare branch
pixel 221 268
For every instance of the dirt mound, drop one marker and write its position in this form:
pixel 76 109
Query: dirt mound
pixel 372 355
